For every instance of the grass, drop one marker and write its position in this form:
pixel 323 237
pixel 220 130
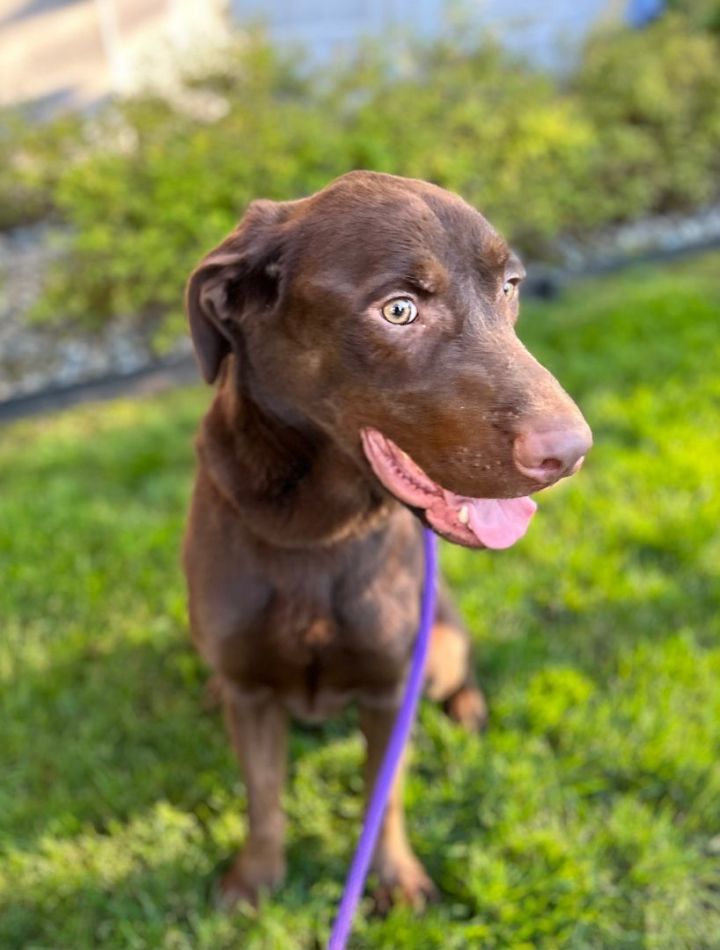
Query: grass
pixel 589 816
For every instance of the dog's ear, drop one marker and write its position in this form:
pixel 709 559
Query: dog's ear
pixel 243 271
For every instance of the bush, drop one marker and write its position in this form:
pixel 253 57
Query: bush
pixel 142 212
pixel 635 131
pixel 704 14
pixel 479 123
pixel 32 160
pixel 654 97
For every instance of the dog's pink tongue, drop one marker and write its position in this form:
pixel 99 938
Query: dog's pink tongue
pixel 500 522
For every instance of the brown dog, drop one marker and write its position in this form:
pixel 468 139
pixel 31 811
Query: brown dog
pixel 370 380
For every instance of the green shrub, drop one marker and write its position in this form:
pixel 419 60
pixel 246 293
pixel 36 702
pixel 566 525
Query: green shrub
pixel 654 97
pixel 479 123
pixel 636 131
pixel 32 159
pixel 142 212
pixel 701 13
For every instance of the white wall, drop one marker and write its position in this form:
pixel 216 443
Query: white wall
pixel 547 32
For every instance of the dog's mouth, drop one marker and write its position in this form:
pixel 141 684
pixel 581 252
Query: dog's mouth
pixel 475 522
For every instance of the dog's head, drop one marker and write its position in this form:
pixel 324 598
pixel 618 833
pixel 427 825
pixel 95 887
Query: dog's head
pixel 382 311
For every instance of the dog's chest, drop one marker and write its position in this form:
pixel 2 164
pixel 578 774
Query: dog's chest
pixel 339 620
pixel 352 647
pixel 331 629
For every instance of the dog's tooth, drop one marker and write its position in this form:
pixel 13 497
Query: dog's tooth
pixel 464 515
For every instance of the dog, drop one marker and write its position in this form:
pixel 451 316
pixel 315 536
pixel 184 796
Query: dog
pixel 369 381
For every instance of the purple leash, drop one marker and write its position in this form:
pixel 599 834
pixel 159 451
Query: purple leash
pixel 401 730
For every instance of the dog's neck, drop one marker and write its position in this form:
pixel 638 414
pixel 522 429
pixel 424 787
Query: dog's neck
pixel 286 480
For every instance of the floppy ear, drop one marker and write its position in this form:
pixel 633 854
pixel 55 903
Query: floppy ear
pixel 243 270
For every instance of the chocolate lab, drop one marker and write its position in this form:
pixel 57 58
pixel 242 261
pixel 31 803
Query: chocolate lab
pixel 369 381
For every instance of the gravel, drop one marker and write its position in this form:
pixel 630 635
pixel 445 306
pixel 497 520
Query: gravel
pixel 37 357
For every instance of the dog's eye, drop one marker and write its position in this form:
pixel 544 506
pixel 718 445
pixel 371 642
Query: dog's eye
pixel 510 287
pixel 400 310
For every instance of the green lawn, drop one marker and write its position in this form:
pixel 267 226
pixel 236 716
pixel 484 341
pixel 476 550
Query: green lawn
pixel 589 815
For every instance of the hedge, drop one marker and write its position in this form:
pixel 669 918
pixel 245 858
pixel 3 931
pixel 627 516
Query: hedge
pixel 146 185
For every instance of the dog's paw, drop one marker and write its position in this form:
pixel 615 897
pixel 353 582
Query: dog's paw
pixel 250 876
pixel 403 881
pixel 468 707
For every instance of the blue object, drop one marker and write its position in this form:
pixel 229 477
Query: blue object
pixel 640 12
pixel 401 730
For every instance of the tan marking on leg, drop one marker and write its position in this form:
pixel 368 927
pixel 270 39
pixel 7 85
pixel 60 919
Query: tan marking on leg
pixel 468 707
pixel 448 659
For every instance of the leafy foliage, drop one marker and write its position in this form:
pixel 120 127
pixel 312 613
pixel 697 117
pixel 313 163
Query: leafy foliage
pixel 142 212
pixel 477 122
pixel 654 97
pixel 32 160
pixel 148 185
pixel 701 13
pixel 586 817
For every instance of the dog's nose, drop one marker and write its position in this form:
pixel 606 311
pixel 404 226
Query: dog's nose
pixel 545 456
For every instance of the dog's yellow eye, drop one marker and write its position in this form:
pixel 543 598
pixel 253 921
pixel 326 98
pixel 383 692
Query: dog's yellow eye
pixel 399 311
pixel 510 287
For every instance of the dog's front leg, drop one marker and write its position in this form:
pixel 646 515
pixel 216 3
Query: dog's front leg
pixel 258 727
pixel 401 876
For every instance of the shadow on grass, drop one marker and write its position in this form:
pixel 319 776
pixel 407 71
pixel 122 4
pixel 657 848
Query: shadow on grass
pixel 149 744
pixel 108 732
